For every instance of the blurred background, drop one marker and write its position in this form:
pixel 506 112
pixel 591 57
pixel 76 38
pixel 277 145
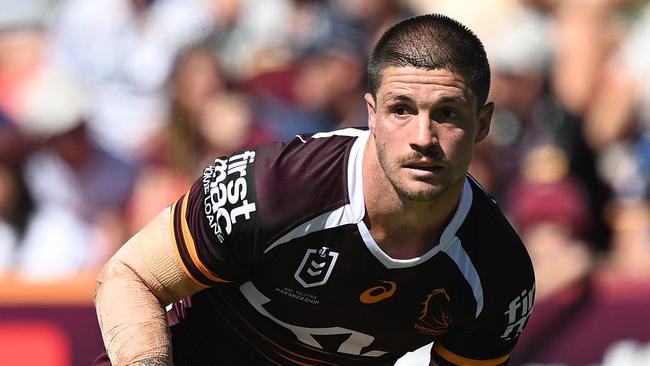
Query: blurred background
pixel 110 108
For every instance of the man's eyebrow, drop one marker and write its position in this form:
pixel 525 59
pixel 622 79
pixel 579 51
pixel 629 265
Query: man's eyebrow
pixel 390 97
pixel 453 99
pixel 456 99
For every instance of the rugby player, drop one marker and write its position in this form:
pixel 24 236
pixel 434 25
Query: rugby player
pixel 349 247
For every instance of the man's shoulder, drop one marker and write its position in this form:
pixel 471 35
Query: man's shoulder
pixel 305 161
pixel 496 250
pixel 306 154
pixel 310 175
pixel 245 202
pixel 486 223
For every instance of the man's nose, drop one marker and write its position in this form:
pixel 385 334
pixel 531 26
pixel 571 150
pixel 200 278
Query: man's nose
pixel 424 134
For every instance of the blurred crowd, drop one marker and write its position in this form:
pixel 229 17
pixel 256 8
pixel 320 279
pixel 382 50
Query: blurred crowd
pixel 110 108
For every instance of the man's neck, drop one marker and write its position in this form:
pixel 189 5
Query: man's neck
pixel 403 228
pixel 409 233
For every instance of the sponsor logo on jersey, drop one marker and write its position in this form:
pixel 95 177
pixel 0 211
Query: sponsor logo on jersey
pixel 434 318
pixel 316 267
pixel 225 190
pixel 378 293
pixel 518 313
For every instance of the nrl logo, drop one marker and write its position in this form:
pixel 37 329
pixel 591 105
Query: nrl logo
pixel 316 267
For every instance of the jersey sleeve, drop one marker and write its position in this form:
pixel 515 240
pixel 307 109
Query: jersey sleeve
pixel 214 224
pixel 486 334
pixel 488 339
pixel 243 203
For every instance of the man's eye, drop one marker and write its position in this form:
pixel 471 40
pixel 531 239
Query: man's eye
pixel 449 113
pixel 400 111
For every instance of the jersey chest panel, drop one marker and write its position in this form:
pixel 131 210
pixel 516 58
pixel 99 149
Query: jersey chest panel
pixel 329 284
pixel 307 284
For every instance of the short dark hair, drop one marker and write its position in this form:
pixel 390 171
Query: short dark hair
pixel 432 42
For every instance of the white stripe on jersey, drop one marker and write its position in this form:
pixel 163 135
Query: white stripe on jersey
pixel 355 177
pixel 446 239
pixel 449 244
pixel 351 213
pixel 330 219
pixel 355 210
pixel 352 132
pixel 466 267
pixel 354 344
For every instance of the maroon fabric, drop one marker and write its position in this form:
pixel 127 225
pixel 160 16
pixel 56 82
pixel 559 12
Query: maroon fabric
pixel 584 323
pixel 563 202
pixel 102 360
pixel 283 224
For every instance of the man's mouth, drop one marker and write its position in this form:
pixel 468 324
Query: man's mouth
pixel 432 167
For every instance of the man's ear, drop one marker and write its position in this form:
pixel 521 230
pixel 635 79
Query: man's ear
pixel 372 110
pixel 484 121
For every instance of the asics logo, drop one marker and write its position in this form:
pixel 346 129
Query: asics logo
pixel 378 293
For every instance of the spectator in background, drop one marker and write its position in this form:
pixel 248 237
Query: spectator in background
pixel 15 201
pixel 123 50
pixel 591 306
pixel 319 90
pixel 227 125
pixel 252 36
pixel 629 257
pixel 15 205
pixel 22 40
pixel 195 79
pixel 263 36
pixel 618 127
pixel 78 189
pixel 373 17
pixel 550 209
pixel 205 120
pixel 581 317
pixel 584 34
pixel 525 114
pixel 291 66
pixel 530 112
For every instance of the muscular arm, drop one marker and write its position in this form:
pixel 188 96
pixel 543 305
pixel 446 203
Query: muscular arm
pixel 132 291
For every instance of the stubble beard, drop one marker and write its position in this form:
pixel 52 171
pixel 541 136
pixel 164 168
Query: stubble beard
pixel 391 171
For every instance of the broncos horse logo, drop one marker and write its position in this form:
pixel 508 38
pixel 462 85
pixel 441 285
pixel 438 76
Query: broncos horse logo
pixel 434 318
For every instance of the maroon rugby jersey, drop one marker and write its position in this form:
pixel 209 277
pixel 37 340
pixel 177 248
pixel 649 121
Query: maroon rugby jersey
pixel 278 233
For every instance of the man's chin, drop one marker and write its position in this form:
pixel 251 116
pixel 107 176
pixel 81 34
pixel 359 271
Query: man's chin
pixel 429 193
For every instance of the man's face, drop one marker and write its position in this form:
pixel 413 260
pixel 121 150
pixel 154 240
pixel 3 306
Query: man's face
pixel 425 124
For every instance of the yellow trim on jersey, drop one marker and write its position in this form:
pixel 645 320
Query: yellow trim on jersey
pixel 177 252
pixel 191 247
pixel 462 361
